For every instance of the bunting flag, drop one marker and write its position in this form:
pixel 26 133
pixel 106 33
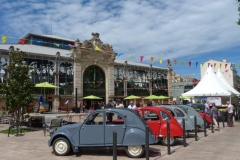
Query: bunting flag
pixel 226 66
pixel 182 63
pixel 202 63
pixel 196 64
pixel 220 65
pixel 168 61
pixel 189 63
pixel 120 54
pixel 160 60
pixel 226 70
pixel 4 39
pixel 97 48
pixel 22 41
pixel 141 58
pixel 214 65
pixel 130 55
pixel 70 45
pixel 152 59
pixel 83 47
pixel 208 64
pixel 57 44
pixel 175 62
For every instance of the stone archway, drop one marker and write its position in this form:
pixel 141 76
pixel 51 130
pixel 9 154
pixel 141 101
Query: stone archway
pixel 94 81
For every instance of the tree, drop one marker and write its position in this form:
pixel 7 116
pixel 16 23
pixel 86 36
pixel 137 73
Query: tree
pixel 18 89
pixel 238 22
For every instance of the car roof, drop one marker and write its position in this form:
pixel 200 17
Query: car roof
pixel 152 108
pixel 171 107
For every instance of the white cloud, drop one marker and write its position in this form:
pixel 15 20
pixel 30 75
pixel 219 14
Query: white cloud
pixel 161 28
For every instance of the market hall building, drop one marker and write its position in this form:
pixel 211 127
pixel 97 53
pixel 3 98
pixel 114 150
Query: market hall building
pixel 86 68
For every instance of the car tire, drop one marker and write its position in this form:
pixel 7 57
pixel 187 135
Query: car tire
pixel 135 151
pixel 173 140
pixel 61 147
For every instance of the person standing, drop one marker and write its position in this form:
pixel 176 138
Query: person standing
pixel 50 100
pixel 206 106
pixel 131 105
pixel 79 106
pixel 230 109
pixel 109 115
pixel 214 114
pixel 40 100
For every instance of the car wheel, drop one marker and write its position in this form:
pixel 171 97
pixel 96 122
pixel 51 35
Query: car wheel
pixel 172 141
pixel 135 151
pixel 61 147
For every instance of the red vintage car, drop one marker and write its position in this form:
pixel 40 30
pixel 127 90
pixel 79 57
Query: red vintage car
pixel 156 118
pixel 201 109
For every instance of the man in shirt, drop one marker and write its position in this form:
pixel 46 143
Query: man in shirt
pixel 206 106
pixel 230 109
pixel 131 105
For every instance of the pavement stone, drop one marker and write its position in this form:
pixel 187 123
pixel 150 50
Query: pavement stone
pixel 220 145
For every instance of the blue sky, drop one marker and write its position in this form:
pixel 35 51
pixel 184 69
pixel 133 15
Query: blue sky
pixel 179 30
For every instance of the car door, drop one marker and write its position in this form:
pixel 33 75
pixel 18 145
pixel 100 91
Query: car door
pixel 153 120
pixel 117 124
pixel 92 130
pixel 189 125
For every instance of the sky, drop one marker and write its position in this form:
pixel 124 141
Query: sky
pixel 181 30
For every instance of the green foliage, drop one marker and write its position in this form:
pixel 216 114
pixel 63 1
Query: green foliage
pixel 14 131
pixel 18 91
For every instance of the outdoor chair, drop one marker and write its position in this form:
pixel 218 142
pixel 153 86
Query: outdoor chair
pixel 13 125
pixel 54 124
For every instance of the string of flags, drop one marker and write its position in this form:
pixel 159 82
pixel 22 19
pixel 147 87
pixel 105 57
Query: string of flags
pixel 160 60
pixel 23 41
pixel 190 63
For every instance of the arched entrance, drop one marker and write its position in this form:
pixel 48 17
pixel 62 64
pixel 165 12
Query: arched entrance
pixel 94 84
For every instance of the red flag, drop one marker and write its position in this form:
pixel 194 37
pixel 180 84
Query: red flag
pixel 22 41
pixel 168 61
pixel 141 58
pixel 189 63
pixel 208 64
pixel 226 66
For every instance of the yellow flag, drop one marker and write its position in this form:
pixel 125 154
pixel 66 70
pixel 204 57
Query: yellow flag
pixel 97 48
pixel 214 65
pixel 130 55
pixel 4 39
pixel 175 62
pixel 57 44
pixel 152 59
pixel 182 63
pixel 220 65
pixel 202 63
pixel 160 60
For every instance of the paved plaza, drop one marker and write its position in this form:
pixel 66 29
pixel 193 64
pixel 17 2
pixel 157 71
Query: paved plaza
pixel 221 145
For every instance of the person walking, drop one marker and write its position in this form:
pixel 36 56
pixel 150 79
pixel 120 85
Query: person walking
pixel 50 100
pixel 214 114
pixel 131 105
pixel 230 109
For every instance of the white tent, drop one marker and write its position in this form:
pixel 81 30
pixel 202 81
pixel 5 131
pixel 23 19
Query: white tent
pixel 223 80
pixel 210 85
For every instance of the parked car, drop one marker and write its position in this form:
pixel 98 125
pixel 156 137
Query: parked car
pixel 97 130
pixel 156 118
pixel 179 114
pixel 200 108
pixel 191 112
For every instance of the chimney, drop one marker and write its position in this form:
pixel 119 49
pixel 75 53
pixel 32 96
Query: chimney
pixel 224 60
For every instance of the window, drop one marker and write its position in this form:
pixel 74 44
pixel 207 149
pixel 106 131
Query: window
pixel 164 115
pixel 95 119
pixel 114 119
pixel 179 113
pixel 150 115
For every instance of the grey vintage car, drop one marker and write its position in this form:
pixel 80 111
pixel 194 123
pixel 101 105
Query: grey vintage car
pixel 191 112
pixel 97 130
pixel 179 114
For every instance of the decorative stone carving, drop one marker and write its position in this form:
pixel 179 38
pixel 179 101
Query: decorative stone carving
pixel 96 44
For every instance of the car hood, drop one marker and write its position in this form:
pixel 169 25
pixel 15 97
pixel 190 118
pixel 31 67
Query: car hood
pixel 70 128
